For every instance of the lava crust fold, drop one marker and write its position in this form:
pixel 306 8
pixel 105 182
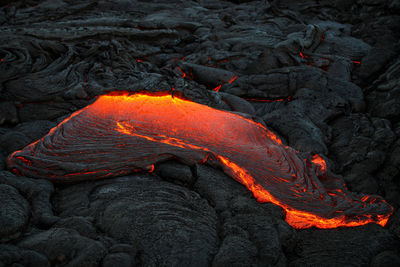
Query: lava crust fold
pixel 120 134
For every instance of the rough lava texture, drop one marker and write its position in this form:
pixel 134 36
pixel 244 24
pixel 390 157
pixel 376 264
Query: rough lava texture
pixel 323 75
pixel 120 134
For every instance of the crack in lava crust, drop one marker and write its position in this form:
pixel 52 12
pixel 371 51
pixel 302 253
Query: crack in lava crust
pixel 121 134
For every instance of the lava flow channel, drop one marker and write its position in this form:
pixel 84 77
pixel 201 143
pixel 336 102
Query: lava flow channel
pixel 121 134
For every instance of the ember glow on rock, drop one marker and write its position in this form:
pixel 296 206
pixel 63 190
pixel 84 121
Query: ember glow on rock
pixel 121 134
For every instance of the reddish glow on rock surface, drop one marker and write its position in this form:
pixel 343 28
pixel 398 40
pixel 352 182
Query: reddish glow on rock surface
pixel 183 73
pixel 303 55
pixel 219 86
pixel 319 162
pixel 233 79
pixel 288 99
pixel 216 89
pixel 121 134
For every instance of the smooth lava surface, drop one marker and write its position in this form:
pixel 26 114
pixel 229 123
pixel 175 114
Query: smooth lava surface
pixel 121 134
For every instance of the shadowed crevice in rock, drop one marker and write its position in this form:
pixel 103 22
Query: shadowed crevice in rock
pixel 319 247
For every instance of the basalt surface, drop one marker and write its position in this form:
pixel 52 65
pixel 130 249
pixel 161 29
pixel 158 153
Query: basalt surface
pixel 323 75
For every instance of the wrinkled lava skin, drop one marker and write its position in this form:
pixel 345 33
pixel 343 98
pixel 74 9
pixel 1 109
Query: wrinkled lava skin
pixel 121 134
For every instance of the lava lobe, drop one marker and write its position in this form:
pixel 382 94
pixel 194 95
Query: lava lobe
pixel 121 134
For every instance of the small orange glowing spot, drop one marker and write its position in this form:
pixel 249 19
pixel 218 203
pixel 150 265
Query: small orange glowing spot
pixel 233 79
pixel 152 168
pixel 357 62
pixel 183 73
pixel 216 89
pixel 319 161
pixel 303 55
pixel 364 198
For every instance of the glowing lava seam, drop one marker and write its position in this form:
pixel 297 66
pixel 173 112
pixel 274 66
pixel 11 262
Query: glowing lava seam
pixel 121 134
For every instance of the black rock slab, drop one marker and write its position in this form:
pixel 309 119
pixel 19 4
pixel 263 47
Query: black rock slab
pixel 11 255
pixel 342 246
pixel 14 213
pixel 62 246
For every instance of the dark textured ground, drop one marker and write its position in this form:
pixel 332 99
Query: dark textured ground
pixel 340 98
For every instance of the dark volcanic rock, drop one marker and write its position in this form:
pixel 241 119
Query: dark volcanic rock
pixel 236 251
pixel 386 259
pixel 176 172
pixel 8 113
pixel 11 255
pixel 12 141
pixel 342 246
pixel 238 104
pixel 362 152
pixel 394 224
pixel 38 192
pixel 167 224
pixel 83 225
pixel 383 95
pixel 63 246
pixel 216 187
pixel 121 255
pixel 117 259
pixel 36 129
pixel 2 162
pixel 261 232
pixel 374 62
pixel 44 111
pixel 14 213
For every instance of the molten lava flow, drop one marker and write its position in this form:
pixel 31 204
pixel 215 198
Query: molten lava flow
pixel 121 134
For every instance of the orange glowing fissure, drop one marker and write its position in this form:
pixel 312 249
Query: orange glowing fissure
pixel 136 131
pixel 319 162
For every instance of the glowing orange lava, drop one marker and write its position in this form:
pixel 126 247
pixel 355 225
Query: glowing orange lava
pixel 319 162
pixel 216 89
pixel 121 134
